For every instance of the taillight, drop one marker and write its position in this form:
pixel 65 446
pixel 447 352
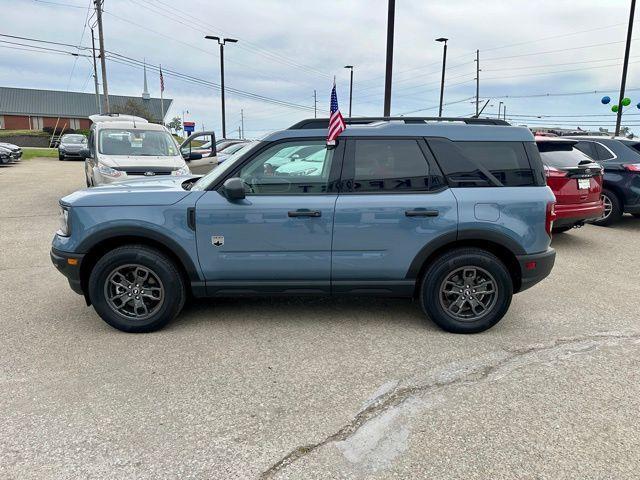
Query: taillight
pixel 554 172
pixel 551 216
pixel 632 167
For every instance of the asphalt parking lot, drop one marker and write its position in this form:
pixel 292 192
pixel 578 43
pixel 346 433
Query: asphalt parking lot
pixel 320 388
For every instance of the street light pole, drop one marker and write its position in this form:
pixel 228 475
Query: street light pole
pixel 103 62
pixel 389 61
pixel 95 71
pixel 350 67
pixel 444 66
pixel 221 42
pixel 625 66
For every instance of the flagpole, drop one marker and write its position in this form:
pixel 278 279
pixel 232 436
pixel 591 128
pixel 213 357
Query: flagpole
pixel 161 96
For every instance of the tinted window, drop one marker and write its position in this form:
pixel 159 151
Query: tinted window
pixel 472 164
pixel 561 155
pixel 602 152
pixel 587 148
pixel 301 166
pixel 391 165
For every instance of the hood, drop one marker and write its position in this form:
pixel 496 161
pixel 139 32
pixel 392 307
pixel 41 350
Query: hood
pixel 145 191
pixel 133 161
pixel 10 146
pixel 73 146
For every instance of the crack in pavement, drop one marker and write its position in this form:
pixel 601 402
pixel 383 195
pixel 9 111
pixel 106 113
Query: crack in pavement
pixel 465 376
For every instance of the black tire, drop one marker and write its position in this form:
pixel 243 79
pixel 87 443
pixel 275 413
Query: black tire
pixel 453 261
pixel 167 280
pixel 562 229
pixel 616 210
pixel 60 157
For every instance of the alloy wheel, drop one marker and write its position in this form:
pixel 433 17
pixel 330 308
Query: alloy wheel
pixel 608 207
pixel 134 291
pixel 468 293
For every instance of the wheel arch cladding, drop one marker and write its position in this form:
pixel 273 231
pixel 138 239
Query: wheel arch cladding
pixel 446 243
pixel 99 244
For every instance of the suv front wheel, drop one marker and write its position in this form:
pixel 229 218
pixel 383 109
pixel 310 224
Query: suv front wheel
pixel 136 289
pixel 466 290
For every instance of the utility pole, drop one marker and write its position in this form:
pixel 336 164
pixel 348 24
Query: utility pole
pixel 350 67
pixel 504 113
pixel 315 104
pixel 221 42
pixel 444 66
pixel 389 68
pixel 477 83
pixel 499 110
pixel 242 122
pixel 103 60
pixel 95 72
pixel 625 66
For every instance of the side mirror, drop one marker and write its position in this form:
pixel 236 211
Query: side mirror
pixel 191 156
pixel 233 189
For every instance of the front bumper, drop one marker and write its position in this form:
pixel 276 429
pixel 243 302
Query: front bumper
pixel 535 267
pixel 69 265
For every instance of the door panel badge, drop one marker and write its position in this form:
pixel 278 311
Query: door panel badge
pixel 217 240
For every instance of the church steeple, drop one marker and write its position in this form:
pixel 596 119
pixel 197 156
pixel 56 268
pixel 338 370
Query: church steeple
pixel 145 92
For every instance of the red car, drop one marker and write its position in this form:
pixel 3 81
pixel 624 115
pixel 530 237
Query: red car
pixel 576 181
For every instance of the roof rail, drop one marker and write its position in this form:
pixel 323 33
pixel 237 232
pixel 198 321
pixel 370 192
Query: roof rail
pixel 310 123
pixel 116 117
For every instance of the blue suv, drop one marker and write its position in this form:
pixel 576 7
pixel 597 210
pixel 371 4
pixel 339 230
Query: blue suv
pixel 454 213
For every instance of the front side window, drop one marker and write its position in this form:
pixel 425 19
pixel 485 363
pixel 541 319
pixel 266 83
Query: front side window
pixel 392 165
pixel 290 167
pixel 136 142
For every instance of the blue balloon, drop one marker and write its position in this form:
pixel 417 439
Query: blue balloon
pixel 606 100
pixel 638 105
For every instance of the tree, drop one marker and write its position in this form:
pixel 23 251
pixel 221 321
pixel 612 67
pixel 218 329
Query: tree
pixel 175 124
pixel 138 109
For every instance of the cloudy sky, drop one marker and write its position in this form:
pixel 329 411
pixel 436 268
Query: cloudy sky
pixel 286 49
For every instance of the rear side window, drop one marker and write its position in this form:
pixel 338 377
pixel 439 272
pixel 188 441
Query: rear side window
pixel 473 164
pixel 393 165
pixel 588 148
pixel 602 152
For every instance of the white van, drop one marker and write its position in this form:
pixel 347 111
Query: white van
pixel 123 146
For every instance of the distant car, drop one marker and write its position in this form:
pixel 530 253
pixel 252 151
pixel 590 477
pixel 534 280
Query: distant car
pixel 620 158
pixel 71 146
pixel 124 147
pixel 231 149
pixel 15 152
pixel 5 155
pixel 576 181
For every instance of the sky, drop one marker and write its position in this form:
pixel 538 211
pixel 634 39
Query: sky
pixel 532 54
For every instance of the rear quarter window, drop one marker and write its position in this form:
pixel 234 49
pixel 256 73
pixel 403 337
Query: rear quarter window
pixel 466 164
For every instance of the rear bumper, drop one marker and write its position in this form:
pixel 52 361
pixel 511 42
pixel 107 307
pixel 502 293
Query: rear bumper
pixel 535 267
pixel 70 270
pixel 570 214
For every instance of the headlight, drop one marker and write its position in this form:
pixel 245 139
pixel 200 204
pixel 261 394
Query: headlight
pixel 182 171
pixel 63 219
pixel 109 172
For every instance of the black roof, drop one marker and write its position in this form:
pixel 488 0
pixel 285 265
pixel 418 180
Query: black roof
pixel 313 123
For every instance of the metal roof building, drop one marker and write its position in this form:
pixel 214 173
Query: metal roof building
pixel 24 108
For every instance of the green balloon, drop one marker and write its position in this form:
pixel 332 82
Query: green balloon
pixel 614 108
pixel 626 101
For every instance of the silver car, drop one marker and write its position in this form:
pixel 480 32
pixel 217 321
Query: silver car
pixel 71 146
pixel 124 147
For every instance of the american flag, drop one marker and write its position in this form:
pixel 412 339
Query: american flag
pixel 161 80
pixel 336 122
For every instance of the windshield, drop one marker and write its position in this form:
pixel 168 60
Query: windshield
pixel 223 168
pixel 74 139
pixel 137 142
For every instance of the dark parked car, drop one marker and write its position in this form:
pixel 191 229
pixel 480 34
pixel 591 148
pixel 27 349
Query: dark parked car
pixel 71 146
pixel 620 158
pixel 576 181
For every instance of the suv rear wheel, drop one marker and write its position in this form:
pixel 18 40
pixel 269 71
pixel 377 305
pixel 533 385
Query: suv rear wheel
pixel 136 289
pixel 612 209
pixel 466 290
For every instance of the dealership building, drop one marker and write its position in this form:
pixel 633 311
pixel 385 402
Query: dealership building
pixel 30 109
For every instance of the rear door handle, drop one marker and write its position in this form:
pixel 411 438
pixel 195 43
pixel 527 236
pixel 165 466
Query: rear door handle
pixel 303 212
pixel 421 212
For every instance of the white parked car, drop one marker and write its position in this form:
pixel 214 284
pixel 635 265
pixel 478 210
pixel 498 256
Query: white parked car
pixel 122 146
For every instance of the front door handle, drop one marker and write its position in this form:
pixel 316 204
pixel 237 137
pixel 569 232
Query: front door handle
pixel 421 212
pixel 303 212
